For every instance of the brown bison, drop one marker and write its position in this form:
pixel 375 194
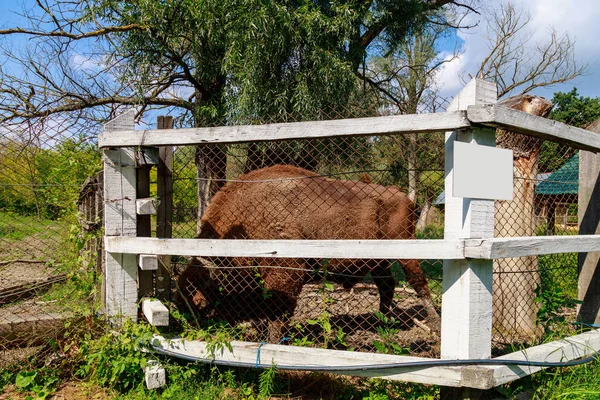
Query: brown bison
pixel 286 202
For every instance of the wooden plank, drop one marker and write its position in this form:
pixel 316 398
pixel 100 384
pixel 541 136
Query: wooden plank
pixel 147 156
pixel 567 349
pixel 589 224
pixel 120 219
pixel 164 213
pixel 155 312
pixel 467 284
pixel 349 249
pixel 530 246
pixel 498 116
pixel 148 262
pixel 303 356
pixel 398 124
pixel 145 207
pixel 29 289
pixel 26 330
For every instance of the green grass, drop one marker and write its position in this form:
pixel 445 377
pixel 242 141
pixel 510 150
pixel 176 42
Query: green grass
pixel 18 227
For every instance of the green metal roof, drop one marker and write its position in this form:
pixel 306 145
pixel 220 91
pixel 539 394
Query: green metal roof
pixel 564 180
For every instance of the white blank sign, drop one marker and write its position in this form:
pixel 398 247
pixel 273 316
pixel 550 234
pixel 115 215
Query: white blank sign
pixel 482 172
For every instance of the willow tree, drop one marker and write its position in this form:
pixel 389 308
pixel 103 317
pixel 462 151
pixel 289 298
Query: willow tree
pixel 211 62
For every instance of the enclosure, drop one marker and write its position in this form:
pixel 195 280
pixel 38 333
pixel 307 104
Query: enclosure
pixel 289 229
pixel 471 277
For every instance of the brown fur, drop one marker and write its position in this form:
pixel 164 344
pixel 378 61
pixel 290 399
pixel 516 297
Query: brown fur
pixel 286 202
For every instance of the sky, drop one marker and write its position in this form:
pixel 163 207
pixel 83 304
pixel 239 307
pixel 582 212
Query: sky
pixel 579 18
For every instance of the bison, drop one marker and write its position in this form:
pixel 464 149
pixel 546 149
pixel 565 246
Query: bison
pixel 287 202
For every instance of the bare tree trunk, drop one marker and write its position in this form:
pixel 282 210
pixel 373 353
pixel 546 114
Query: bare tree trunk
pixel 412 161
pixel 516 279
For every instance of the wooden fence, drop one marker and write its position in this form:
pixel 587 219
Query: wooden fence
pixel 468 248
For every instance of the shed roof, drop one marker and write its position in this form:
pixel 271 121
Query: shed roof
pixel 564 180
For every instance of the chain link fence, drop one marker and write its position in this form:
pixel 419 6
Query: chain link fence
pixel 383 187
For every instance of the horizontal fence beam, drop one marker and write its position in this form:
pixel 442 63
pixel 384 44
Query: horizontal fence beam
pixel 490 115
pixel 246 352
pixel 568 349
pixel 349 249
pixel 530 246
pixel 474 376
pixel 398 124
pixel 533 125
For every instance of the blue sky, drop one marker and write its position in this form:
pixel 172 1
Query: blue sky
pixel 578 18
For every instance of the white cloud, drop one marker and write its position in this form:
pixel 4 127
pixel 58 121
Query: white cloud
pixel 578 18
pixel 87 63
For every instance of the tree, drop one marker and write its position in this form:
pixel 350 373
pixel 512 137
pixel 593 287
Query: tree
pixel 518 67
pixel 405 78
pixel 573 109
pixel 211 63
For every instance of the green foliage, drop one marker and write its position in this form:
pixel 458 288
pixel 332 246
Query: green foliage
pixel 43 181
pixel 572 109
pixel 114 360
pixel 431 231
pixel 41 382
pixel 266 382
pixel 388 331
pixel 552 302
pixel 17 227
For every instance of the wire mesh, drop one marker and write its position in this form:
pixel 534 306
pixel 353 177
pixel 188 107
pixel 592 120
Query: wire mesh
pixel 342 188
pixel 47 254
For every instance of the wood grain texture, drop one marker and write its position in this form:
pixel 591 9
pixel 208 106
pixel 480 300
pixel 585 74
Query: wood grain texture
pixel 155 312
pixel 589 224
pixel 290 355
pixel 412 123
pixel 164 213
pixel 530 246
pixel 568 349
pixel 467 284
pixel 120 219
pixel 349 249
pixel 543 128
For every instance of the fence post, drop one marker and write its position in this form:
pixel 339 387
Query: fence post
pixel 120 219
pixel 467 284
pixel 144 226
pixel 589 224
pixel 164 221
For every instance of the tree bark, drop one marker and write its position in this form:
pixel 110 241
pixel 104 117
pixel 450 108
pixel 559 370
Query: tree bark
pixel 515 279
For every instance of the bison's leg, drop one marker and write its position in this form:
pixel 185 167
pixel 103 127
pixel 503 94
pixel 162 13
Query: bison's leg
pixel 416 279
pixel 382 276
pixel 282 288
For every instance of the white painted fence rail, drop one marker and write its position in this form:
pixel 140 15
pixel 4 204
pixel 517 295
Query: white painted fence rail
pixel 467 249
pixel 453 249
pixel 489 115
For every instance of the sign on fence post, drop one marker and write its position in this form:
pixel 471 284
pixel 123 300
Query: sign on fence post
pixel 467 284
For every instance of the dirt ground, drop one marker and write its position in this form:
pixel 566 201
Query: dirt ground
pixel 69 391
